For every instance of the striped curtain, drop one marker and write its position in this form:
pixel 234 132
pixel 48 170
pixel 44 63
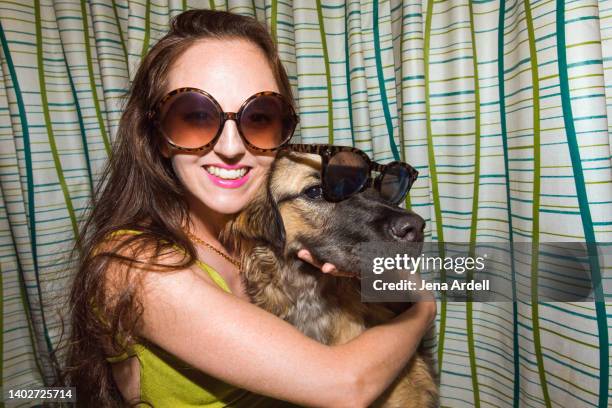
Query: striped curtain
pixel 504 107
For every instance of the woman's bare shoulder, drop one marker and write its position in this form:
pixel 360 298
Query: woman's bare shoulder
pixel 130 257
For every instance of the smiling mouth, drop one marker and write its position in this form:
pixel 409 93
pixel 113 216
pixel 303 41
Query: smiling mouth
pixel 227 174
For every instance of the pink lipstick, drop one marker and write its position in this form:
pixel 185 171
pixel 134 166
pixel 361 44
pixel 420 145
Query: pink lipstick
pixel 227 176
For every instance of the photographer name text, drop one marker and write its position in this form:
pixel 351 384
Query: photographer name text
pixel 405 284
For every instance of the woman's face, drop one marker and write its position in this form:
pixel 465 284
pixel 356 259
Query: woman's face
pixel 225 178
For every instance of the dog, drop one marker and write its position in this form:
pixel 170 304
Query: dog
pixel 288 214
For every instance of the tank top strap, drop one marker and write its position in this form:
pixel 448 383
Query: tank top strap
pixel 214 275
pixel 209 270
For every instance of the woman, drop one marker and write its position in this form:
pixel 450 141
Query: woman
pixel 150 322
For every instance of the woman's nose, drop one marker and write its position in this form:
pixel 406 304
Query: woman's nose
pixel 230 144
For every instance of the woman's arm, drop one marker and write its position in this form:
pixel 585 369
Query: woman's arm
pixel 241 344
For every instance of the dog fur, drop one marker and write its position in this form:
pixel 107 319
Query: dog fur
pixel 280 221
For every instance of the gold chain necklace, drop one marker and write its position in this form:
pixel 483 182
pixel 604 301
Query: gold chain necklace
pixel 231 260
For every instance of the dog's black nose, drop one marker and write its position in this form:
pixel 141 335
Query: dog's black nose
pixel 408 227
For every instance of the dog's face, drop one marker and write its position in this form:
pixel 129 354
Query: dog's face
pixel 291 214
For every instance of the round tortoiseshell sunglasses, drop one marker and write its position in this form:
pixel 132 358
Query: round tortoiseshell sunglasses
pixel 192 120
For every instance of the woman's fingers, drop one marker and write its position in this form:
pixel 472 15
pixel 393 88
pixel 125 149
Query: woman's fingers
pixel 327 267
pixel 306 256
pixel 331 269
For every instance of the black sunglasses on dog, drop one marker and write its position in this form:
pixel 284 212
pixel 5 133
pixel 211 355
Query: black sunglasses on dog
pixel 347 171
pixel 192 120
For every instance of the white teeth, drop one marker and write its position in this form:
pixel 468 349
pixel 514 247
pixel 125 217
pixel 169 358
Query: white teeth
pixel 227 174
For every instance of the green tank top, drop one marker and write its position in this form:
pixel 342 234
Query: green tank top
pixel 166 381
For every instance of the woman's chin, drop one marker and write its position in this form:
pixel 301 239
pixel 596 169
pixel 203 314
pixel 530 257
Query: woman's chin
pixel 224 199
pixel 225 204
pixel 228 209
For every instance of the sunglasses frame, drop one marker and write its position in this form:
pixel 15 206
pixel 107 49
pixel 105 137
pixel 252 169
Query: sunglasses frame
pixel 327 151
pixel 225 116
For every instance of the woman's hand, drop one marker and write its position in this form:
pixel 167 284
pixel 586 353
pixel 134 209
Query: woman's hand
pixel 327 267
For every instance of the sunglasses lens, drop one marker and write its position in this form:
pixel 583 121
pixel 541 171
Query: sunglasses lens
pixel 267 122
pixel 345 175
pixel 395 183
pixel 190 119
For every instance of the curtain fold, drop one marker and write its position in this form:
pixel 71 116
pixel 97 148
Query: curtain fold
pixel 504 107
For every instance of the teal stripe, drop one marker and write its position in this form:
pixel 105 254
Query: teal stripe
pixel 330 106
pixel 434 182
pixel 504 132
pixel 381 82
pixel 58 167
pixel 347 57
pixel 474 222
pixel 77 107
pixel 535 241
pixel 25 129
pixel 92 81
pixel 585 212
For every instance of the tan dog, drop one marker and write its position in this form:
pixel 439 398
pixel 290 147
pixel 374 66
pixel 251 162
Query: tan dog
pixel 289 214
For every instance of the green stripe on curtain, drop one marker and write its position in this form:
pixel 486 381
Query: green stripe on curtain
pixel 469 314
pixel 273 21
pixel 51 137
pixel 147 29
pixel 92 80
pixel 434 178
pixel 535 250
pixel 118 23
pixel 330 106
pixel 347 73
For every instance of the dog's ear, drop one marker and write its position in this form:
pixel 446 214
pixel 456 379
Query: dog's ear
pixel 264 222
pixel 259 222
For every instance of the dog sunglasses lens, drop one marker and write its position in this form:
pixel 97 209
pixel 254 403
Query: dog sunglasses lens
pixel 346 174
pixel 267 121
pixel 395 183
pixel 190 119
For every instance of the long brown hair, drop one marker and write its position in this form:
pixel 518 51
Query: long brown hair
pixel 138 190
